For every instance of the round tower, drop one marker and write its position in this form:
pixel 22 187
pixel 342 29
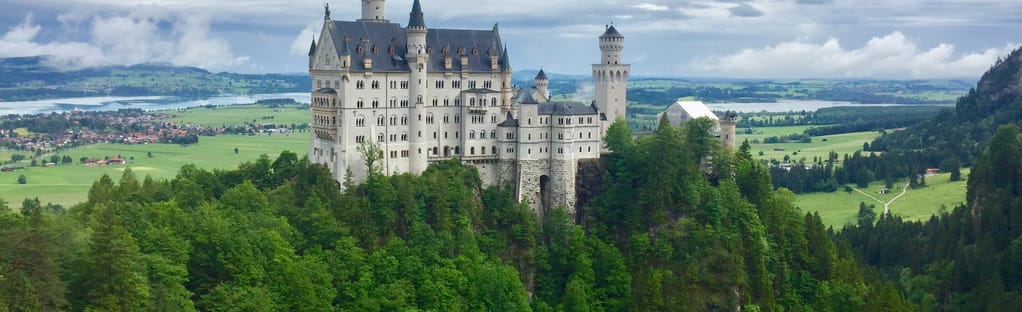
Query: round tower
pixel 418 64
pixel 611 76
pixel 373 11
pixel 727 129
pixel 611 45
pixel 542 84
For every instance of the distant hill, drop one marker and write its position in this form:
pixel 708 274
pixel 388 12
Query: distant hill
pixel 964 131
pixel 32 78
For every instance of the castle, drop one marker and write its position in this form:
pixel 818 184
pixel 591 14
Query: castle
pixel 425 95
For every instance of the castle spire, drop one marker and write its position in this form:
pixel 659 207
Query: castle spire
pixel 416 19
pixel 312 49
pixel 505 62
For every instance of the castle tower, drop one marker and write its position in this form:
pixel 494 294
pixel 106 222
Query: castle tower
pixel 542 85
pixel 727 129
pixel 610 76
pixel 418 61
pixel 505 85
pixel 373 11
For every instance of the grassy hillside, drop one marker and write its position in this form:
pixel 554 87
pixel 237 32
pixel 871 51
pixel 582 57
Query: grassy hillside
pixel 69 184
pixel 840 208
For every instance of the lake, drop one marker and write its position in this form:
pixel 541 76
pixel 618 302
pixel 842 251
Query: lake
pixel 108 103
pixel 788 106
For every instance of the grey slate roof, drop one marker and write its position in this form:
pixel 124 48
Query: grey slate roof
pixel 508 123
pixel 566 108
pixel 611 33
pixel 416 19
pixel 326 91
pixel 387 36
pixel 541 74
pixel 312 49
pixel 525 97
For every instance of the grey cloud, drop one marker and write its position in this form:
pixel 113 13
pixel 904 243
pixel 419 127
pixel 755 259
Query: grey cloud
pixel 745 10
pixel 814 1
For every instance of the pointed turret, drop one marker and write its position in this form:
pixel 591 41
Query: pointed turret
pixel 312 49
pixel 611 33
pixel 542 85
pixel 416 19
pixel 505 62
pixel 345 50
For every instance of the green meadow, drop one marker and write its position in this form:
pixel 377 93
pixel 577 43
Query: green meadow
pixel 240 114
pixel 840 208
pixel 821 146
pixel 67 184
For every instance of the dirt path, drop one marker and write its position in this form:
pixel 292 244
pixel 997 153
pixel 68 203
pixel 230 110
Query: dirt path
pixel 887 205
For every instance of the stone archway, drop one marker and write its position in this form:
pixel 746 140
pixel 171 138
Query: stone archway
pixel 545 195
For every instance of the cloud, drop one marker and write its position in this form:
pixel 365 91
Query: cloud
pixel 651 7
pixel 300 46
pixel 745 10
pixel 890 56
pixel 125 40
pixel 814 1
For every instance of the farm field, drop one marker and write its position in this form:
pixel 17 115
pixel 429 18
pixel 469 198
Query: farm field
pixel 69 184
pixel 240 114
pixel 840 208
pixel 846 143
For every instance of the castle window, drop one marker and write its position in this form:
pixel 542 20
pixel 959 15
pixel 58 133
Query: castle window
pixel 404 154
pixel 447 119
pixel 445 134
pixel 404 137
pixel 439 84
pixel 376 103
pixel 360 122
pixel 393 137
pixel 434 134
pixel 487 84
pixel 404 84
pixel 472 102
pixel 446 101
pixel 530 151
pixel 404 103
pixel 393 102
pixel 493 101
pixel 471 84
pixel 493 134
pixel 360 84
pixel 493 150
pixel 530 136
pixel 472 150
pixel 379 121
pixel 379 137
pixel 393 84
pixel 393 120
pixel 360 139
pixel 457 118
pixel 435 101
pixel 472 134
pixel 404 120
pixel 457 101
pixel 376 84
pixel 457 134
pixel 456 84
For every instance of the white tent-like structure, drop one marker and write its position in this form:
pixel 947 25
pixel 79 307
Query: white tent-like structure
pixel 683 111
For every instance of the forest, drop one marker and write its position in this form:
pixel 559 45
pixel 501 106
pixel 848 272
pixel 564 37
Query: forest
pixel 276 234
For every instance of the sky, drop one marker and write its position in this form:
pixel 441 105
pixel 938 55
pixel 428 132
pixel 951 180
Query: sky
pixel 874 39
